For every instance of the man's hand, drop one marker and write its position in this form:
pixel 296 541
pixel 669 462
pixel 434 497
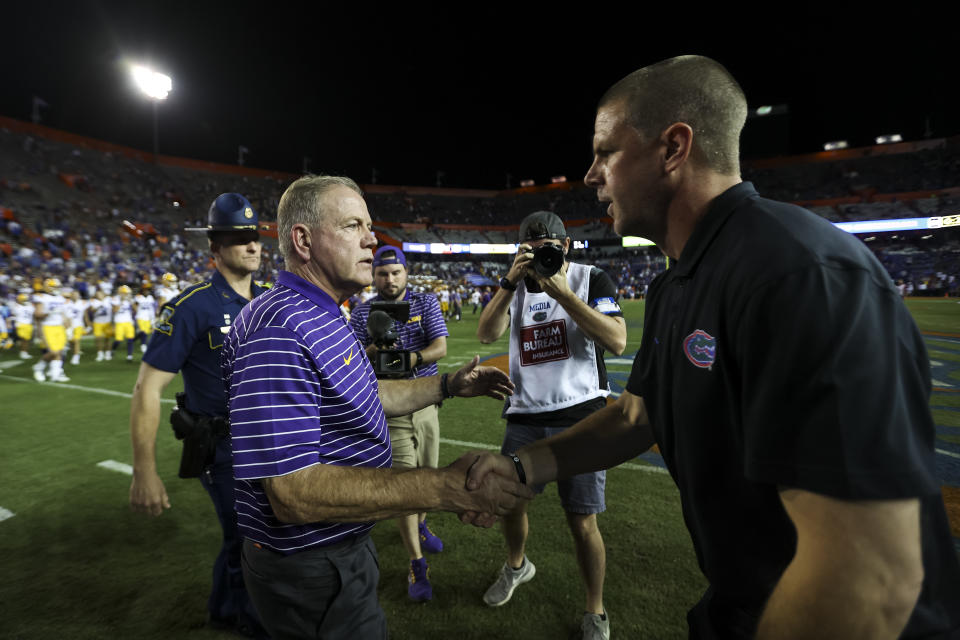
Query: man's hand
pixel 493 497
pixel 147 493
pixel 556 286
pixel 485 462
pixel 472 380
pixel 520 265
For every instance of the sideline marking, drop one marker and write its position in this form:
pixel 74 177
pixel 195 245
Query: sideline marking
pixel 113 465
pixel 460 443
pixel 76 387
pixel 933 363
pixel 9 364
pixel 5 514
pixel 481 445
pixel 937 383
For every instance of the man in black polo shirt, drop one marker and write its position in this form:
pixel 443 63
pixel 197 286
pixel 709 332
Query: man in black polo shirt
pixel 782 378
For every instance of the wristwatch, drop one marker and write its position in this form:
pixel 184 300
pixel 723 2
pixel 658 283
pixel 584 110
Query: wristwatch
pixel 506 284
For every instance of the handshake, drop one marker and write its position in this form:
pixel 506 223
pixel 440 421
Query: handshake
pixel 484 486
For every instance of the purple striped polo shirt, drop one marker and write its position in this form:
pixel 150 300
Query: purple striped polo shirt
pixel 423 327
pixel 302 392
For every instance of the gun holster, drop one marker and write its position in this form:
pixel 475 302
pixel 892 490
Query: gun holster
pixel 199 435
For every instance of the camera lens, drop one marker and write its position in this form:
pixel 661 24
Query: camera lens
pixel 547 260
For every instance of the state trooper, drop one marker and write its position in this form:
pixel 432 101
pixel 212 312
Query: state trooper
pixel 188 336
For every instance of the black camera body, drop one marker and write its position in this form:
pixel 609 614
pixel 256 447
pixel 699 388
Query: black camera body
pixel 547 259
pixel 389 363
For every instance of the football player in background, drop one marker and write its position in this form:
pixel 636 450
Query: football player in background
pixel 49 310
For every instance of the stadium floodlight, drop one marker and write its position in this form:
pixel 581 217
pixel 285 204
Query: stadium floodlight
pixel 157 87
pixel 527 183
pixel 152 83
pixel 558 179
pixel 833 146
pixel 890 139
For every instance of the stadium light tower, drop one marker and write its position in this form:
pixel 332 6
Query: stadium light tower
pixel 155 86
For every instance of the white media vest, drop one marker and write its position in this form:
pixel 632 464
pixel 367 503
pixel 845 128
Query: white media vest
pixel 552 362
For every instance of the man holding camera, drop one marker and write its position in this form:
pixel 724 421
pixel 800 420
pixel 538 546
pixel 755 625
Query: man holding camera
pixel 562 316
pixel 414 438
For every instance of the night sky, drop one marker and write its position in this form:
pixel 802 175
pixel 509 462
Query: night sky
pixel 475 95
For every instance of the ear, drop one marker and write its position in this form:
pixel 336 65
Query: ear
pixel 301 238
pixel 678 140
pixel 566 245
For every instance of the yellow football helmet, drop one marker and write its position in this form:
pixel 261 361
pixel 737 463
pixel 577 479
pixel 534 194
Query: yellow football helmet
pixel 169 278
pixel 22 298
pixel 124 290
pixel 51 284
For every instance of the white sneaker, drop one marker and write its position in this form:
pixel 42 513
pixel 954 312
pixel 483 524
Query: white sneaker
pixel 75 359
pixel 24 355
pixel 100 356
pixel 595 627
pixel 143 348
pixel 129 357
pixel 109 355
pixel 60 378
pixel 501 591
pixel 38 375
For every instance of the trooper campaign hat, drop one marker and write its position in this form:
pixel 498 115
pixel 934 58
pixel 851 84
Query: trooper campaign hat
pixel 230 212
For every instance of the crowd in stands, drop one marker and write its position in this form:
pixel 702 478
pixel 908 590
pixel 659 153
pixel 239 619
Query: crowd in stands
pixel 64 210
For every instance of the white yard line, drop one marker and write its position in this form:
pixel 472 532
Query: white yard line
pixel 76 387
pixel 5 514
pixel 938 383
pixel 458 443
pixel 113 465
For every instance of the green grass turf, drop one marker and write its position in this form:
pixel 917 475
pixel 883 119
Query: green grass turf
pixel 77 563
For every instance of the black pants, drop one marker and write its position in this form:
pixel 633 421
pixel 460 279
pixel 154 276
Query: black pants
pixel 324 592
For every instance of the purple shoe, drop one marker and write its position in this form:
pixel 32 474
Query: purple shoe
pixel 419 588
pixel 429 542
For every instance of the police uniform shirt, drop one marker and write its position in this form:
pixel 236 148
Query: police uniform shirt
pixel 602 295
pixel 424 325
pixel 188 335
pixel 776 352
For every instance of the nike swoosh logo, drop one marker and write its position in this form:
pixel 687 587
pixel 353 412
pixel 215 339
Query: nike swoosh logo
pixel 346 359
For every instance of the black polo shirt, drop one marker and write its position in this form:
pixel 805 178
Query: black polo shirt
pixel 776 351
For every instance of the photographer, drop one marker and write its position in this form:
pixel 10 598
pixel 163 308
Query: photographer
pixel 562 316
pixel 415 438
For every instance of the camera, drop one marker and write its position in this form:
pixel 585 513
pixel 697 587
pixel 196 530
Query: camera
pixel 547 259
pixel 382 329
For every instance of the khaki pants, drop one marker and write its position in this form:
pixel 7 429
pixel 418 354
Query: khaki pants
pixel 415 439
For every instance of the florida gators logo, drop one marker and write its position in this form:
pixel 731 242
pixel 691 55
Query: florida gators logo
pixel 701 348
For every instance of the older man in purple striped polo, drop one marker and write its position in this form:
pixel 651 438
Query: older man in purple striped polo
pixel 309 435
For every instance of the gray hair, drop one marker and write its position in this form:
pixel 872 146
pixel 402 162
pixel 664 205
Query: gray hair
pixel 694 90
pixel 300 204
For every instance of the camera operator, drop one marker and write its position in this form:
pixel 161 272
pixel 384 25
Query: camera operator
pixel 414 438
pixel 562 317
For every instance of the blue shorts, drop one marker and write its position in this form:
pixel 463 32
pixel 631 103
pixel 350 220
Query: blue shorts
pixel 582 494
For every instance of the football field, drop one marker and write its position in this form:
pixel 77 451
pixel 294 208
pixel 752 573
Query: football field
pixel 77 563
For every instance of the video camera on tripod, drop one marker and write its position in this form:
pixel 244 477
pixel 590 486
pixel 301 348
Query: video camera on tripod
pixel 382 329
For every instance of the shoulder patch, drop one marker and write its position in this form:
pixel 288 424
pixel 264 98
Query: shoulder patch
pixel 605 305
pixel 163 322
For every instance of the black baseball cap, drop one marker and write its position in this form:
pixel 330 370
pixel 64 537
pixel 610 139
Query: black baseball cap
pixel 540 225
